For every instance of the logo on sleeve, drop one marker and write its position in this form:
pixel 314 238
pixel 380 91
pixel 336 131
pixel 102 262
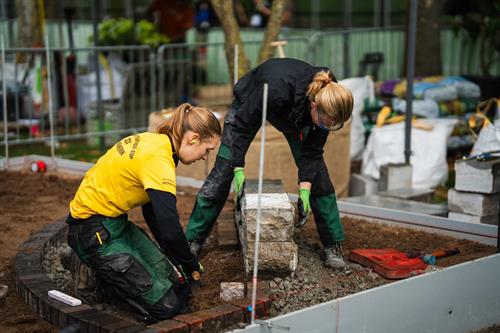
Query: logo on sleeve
pixel 167 181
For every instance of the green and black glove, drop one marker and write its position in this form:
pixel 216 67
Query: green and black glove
pixel 239 182
pixel 304 207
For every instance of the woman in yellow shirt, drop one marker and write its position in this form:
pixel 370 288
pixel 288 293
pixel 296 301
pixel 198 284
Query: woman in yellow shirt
pixel 140 171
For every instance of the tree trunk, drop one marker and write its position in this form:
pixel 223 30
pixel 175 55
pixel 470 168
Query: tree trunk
pixel 272 30
pixel 225 12
pixel 29 25
pixel 428 42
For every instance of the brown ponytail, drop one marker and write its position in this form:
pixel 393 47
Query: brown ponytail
pixel 332 98
pixel 189 118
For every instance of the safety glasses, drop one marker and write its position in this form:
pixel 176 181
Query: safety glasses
pixel 322 125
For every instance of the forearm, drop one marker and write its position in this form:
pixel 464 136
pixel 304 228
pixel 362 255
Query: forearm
pixel 305 186
pixel 163 221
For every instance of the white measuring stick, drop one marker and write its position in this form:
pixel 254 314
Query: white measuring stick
pixel 261 176
pixel 62 297
pixel 235 65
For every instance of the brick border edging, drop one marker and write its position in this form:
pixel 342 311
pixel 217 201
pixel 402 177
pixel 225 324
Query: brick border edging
pixel 32 285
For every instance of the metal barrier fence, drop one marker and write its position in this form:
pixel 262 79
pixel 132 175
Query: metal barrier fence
pixel 136 80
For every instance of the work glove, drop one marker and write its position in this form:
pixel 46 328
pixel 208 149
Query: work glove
pixel 304 206
pixel 239 182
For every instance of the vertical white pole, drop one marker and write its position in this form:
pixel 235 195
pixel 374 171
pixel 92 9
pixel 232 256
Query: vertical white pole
pixel 261 176
pixel 51 113
pixel 235 63
pixel 5 119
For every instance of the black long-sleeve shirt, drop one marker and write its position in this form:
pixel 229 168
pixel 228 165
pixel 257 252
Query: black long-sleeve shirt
pixel 162 219
pixel 288 109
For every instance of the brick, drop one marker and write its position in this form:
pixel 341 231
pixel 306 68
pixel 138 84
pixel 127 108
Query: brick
pixel 208 320
pixel 194 322
pixel 172 326
pixel 262 306
pixel 100 320
pixel 88 318
pixel 65 318
pixel 476 176
pixel 117 325
pixel 232 314
pixel 151 330
pixel 53 309
pixel 131 329
pixel 477 204
pixel 28 263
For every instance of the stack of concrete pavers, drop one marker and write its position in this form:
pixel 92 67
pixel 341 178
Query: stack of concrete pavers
pixel 277 250
pixel 476 195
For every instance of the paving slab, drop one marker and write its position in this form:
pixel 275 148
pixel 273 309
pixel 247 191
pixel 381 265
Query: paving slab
pixel 400 204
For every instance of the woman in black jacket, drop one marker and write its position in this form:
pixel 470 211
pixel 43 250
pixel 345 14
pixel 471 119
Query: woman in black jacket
pixel 305 103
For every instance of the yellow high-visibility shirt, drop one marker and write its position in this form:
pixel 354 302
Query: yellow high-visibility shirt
pixel 119 179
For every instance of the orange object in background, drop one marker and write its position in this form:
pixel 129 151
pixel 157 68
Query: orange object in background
pixel 390 263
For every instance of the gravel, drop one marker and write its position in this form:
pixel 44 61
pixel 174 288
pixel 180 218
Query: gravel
pixel 313 283
pixel 53 265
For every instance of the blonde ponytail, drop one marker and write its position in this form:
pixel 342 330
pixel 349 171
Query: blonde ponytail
pixel 332 98
pixel 320 80
pixel 189 118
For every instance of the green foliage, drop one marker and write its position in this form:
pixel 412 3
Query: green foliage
pixel 124 31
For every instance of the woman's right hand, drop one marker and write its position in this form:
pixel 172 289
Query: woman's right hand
pixel 239 181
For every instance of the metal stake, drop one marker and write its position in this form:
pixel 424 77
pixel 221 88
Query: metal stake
pixel 51 110
pixel 410 70
pixel 5 120
pixel 259 195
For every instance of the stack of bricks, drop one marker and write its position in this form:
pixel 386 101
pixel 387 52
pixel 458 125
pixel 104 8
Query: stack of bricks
pixel 476 195
pixel 277 250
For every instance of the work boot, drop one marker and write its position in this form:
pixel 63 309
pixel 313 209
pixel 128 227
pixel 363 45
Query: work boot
pixel 195 248
pixel 334 258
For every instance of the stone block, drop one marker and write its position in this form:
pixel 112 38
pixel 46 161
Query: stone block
pixel 231 290
pixel 478 176
pixel 414 194
pixel 393 176
pixel 362 185
pixel 470 203
pixel 275 257
pixel 491 219
pixel 277 217
pixel 400 204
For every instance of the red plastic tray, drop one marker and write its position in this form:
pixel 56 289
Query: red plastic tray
pixel 390 263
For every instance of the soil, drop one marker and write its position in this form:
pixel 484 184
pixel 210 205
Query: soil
pixel 29 201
